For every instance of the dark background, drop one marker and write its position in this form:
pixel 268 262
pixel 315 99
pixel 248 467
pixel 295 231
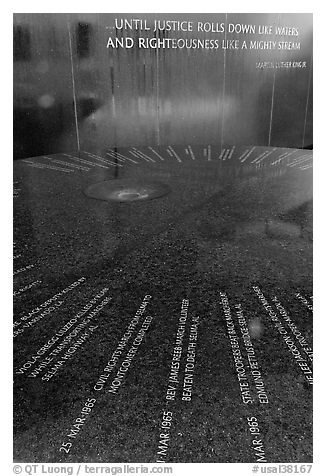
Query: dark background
pixel 71 92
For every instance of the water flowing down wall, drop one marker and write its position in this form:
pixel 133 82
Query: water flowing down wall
pixel 79 84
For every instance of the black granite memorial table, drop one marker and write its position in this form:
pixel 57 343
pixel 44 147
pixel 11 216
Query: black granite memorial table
pixel 163 305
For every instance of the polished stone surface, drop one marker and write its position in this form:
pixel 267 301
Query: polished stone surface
pixel 170 330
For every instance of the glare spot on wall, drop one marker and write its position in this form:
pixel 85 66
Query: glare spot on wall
pixel 46 101
pixel 42 67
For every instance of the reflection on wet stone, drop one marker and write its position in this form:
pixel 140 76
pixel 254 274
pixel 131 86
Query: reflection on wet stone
pixel 126 190
pixel 165 290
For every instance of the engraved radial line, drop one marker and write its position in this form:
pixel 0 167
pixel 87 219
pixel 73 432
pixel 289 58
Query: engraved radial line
pixel 117 158
pixel 61 162
pixel 82 161
pixel 158 155
pixel 73 85
pixel 191 152
pixel 97 157
pixel 175 154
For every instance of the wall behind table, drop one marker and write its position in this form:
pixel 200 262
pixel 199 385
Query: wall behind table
pixel 43 93
pixel 71 92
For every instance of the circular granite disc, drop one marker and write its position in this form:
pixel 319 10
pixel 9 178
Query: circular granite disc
pixel 126 190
